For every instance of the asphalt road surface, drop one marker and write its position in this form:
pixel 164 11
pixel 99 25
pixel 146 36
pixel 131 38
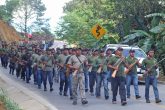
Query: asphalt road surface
pixel 64 103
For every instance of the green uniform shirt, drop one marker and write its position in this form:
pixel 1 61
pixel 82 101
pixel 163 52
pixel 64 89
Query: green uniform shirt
pixel 38 61
pixel 49 62
pixel 129 61
pixel 102 60
pixel 62 58
pixel 92 61
pixel 148 63
pixel 121 67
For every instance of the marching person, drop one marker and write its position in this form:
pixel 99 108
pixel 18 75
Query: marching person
pixel 84 52
pixel 47 67
pixel 102 75
pixel 92 71
pixel 116 63
pixel 150 65
pixel 131 74
pixel 76 62
pixel 61 62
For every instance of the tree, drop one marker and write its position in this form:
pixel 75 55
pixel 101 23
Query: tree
pixel 29 12
pixel 6 11
pixel 80 16
pixel 153 38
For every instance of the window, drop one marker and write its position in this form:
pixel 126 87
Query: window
pixel 138 53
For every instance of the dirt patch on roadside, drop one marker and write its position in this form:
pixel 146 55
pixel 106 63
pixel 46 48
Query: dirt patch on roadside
pixel 161 78
pixel 2 107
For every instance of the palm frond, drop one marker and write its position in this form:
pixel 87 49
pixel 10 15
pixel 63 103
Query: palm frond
pixel 155 14
pixel 158 29
pixel 142 33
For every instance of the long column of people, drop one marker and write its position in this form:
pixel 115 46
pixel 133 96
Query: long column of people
pixel 83 68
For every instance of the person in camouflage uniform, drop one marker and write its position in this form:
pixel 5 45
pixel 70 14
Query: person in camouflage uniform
pixel 76 62
pixel 150 65
pixel 84 52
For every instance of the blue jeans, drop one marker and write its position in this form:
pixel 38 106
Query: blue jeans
pixel 39 77
pixel 99 78
pixel 92 80
pixel 151 80
pixel 28 73
pixel 63 81
pixel 70 78
pixel 47 75
pixel 132 77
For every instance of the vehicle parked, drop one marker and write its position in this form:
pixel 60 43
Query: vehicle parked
pixel 139 54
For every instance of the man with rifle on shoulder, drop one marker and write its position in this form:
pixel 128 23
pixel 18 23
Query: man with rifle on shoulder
pixel 131 73
pixel 150 65
pixel 117 64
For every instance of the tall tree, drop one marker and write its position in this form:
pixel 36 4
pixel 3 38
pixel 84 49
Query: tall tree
pixel 80 16
pixel 6 11
pixel 29 12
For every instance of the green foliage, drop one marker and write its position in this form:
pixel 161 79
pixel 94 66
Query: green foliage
pixel 153 38
pixel 7 10
pixel 9 104
pixel 81 16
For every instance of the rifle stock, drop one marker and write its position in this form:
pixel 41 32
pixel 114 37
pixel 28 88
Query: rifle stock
pixel 114 73
pixel 130 67
pixel 75 72
pixel 90 69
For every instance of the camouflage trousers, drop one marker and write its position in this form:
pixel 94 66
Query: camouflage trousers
pixel 78 81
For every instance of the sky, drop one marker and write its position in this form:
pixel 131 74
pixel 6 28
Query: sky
pixel 54 10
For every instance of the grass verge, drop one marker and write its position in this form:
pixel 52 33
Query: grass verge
pixel 8 103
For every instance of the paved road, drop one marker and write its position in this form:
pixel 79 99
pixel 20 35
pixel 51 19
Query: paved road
pixel 64 103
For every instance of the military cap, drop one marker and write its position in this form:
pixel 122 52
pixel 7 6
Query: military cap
pixel 120 49
pixel 132 51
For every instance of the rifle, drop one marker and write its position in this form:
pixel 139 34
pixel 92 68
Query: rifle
pixel 115 71
pixel 130 67
pixel 146 72
pixel 100 68
pixel 90 69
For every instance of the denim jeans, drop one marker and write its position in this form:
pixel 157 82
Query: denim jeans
pixel 63 81
pixel 70 78
pixel 47 75
pixel 92 80
pixel 99 78
pixel 28 73
pixel 151 80
pixel 39 77
pixel 129 78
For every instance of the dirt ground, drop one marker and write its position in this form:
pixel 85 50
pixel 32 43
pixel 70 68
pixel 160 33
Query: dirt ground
pixel 2 106
pixel 161 78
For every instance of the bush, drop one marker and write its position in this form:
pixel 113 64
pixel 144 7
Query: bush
pixel 9 104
